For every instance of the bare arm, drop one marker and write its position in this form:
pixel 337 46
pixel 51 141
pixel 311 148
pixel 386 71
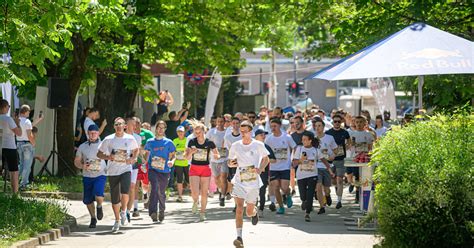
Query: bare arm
pixel 170 101
pixel 78 162
pixel 328 167
pixel 183 115
pixel 37 121
pixel 102 155
pixel 102 126
pixel 264 163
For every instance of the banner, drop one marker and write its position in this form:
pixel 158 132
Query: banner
pixel 384 94
pixel 213 91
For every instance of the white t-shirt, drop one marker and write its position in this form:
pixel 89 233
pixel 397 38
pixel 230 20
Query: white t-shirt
pixel 327 144
pixel 88 122
pixel 217 137
pixel 361 140
pixel 230 139
pixel 25 125
pixel 281 146
pixel 380 131
pixel 122 148
pixel 308 168
pixel 248 159
pixel 88 153
pixel 8 138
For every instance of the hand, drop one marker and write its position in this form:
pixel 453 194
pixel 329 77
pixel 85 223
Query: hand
pixel 193 150
pixel 104 122
pixel 170 164
pixel 85 165
pixel 258 171
pixel 233 163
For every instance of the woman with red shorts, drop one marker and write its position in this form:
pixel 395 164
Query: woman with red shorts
pixel 199 151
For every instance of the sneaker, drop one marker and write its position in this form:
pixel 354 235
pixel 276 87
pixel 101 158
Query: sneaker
pixel 202 217
pixel 195 208
pixel 128 216
pixel 255 218
pixel 351 188
pixel 222 202
pixel 239 243
pixel 272 207
pixel 303 205
pixel 281 210
pixel 100 213
pixel 180 199
pixel 289 201
pixel 93 223
pixel 338 205
pixel 328 200
pixel 228 196
pixel 161 216
pixel 321 211
pixel 154 217
pixel 307 218
pixel 135 213
pixel 123 218
pixel 116 226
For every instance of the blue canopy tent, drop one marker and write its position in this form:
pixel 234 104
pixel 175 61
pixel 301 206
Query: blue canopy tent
pixel 416 50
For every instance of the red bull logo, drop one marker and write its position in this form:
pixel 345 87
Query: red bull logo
pixel 431 53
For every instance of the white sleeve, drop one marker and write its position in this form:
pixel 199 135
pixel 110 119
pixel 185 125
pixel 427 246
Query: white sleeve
pixel 28 125
pixel 297 153
pixel 291 142
pixel 232 154
pixel 332 144
pixel 262 150
pixel 79 152
pixel 134 144
pixel 104 146
pixel 11 123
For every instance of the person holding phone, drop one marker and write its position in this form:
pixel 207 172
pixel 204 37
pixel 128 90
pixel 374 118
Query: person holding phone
pixel 93 174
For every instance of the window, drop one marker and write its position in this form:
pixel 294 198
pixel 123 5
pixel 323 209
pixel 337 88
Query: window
pixel 245 86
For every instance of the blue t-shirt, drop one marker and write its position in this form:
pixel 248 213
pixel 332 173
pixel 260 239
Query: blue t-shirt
pixel 159 149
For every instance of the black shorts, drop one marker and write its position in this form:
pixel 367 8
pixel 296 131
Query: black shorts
pixel 10 158
pixel 119 185
pixel 280 175
pixel 182 173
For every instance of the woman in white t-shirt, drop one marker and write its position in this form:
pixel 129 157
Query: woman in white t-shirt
pixel 304 159
pixel 380 130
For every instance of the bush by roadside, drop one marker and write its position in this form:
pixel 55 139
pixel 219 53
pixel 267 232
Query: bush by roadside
pixel 22 218
pixel 425 191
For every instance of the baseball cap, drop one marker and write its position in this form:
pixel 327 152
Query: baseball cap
pixel 260 131
pixel 180 128
pixel 93 128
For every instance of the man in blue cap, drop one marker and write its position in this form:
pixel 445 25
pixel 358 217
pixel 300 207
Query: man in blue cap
pixel 93 172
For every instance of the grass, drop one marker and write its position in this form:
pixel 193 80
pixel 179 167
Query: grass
pixel 22 218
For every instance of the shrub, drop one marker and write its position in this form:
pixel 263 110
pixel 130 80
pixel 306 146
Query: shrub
pixel 22 218
pixel 424 195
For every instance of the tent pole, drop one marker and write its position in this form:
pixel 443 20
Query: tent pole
pixel 421 80
pixel 337 94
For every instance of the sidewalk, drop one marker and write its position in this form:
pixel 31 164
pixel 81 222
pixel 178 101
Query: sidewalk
pixel 182 228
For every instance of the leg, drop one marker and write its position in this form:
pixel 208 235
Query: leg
pixel 262 196
pixel 276 189
pixel 204 184
pixel 319 192
pixel 28 156
pixel 285 187
pixel 310 188
pixel 153 197
pixel 239 212
pixel 292 178
pixel 91 209
pixel 179 171
pixel 251 210
pixel 115 195
pixel 194 183
pixel 303 188
pixel 163 178
pixel 14 181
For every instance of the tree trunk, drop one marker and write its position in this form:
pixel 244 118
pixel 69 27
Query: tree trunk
pixel 65 116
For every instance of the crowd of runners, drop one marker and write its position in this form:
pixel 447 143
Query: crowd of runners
pixel 248 155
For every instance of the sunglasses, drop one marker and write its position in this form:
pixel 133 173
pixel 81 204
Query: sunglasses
pixel 336 121
pixel 119 124
pixel 252 117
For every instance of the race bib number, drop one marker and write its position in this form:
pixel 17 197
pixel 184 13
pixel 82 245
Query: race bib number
pixel 158 163
pixel 339 151
pixel 281 153
pixel 120 156
pixel 307 165
pixel 180 155
pixel 361 147
pixel 222 152
pixel 94 165
pixel 200 155
pixel 248 174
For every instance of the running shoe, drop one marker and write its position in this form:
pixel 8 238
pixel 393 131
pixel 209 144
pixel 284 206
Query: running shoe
pixel 351 188
pixel 307 218
pixel 328 200
pixel 116 226
pixel 135 213
pixel 128 216
pixel 93 223
pixel 272 207
pixel 161 216
pixel 239 243
pixel 222 202
pixel 281 210
pixel 321 211
pixel 202 217
pixel 100 212
pixel 289 201
pixel 338 205
pixel 303 205
pixel 195 208
pixel 255 217
pixel 123 218
pixel 154 217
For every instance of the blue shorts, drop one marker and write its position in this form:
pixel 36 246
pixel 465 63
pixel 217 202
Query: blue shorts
pixel 93 186
pixel 280 175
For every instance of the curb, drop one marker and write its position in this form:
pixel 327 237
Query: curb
pixel 50 235
pixel 76 196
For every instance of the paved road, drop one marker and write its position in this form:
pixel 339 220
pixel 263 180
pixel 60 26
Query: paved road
pixel 182 228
